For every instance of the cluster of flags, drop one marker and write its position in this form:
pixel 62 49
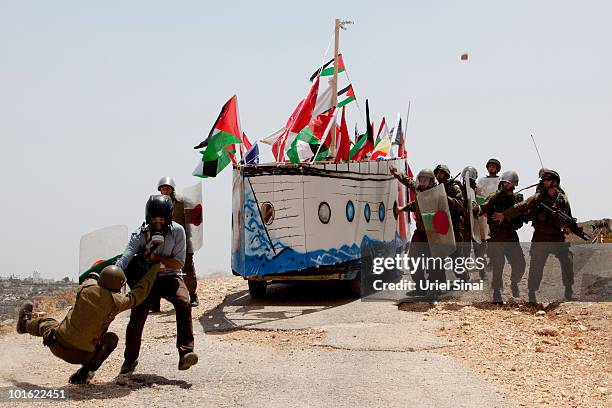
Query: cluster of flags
pixel 306 134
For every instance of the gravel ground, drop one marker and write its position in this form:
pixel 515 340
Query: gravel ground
pixel 557 356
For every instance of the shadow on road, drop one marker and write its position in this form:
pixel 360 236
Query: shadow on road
pixel 107 390
pixel 282 301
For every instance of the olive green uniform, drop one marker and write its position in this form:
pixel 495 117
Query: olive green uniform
pixel 548 237
pixel 504 242
pixel 79 338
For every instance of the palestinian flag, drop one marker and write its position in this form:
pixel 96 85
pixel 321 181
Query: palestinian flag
pixel 220 142
pixel 299 119
pixel 344 142
pixel 365 143
pixel 327 69
pixel 97 267
pixel 305 146
pixel 350 96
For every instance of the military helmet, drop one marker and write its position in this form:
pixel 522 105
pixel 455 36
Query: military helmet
pixel 159 206
pixel 510 176
pixel 495 162
pixel 426 174
pixel 469 172
pixel 444 168
pixel 541 172
pixel 112 278
pixel 547 173
pixel 166 181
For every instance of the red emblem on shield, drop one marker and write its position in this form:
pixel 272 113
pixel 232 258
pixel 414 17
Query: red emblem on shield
pixel 196 215
pixel 440 222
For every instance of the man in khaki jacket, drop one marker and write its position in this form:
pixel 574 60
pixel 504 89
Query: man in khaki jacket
pixel 82 337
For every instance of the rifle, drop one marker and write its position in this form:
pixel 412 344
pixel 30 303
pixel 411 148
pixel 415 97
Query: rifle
pixel 565 221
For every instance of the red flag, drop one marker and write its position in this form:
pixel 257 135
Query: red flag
pixel 344 142
pixel 299 119
pixel 319 126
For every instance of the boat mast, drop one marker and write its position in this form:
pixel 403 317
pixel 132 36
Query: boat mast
pixel 332 149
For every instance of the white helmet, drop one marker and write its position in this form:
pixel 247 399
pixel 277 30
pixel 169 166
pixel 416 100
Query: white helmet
pixel 510 176
pixel 166 181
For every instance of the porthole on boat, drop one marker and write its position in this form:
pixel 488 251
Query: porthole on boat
pixel 324 212
pixel 350 211
pixel 395 210
pixel 381 211
pixel 367 212
pixel 267 213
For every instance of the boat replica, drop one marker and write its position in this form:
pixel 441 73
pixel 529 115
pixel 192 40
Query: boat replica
pixel 316 219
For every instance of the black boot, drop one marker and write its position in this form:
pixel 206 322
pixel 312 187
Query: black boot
pixel 187 360
pixel 569 293
pixel 194 299
pixel 532 297
pixel 81 376
pixel 515 289
pixel 497 298
pixel 25 314
pixel 128 366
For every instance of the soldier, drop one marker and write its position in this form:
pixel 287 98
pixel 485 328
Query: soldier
pixel 504 242
pixel 456 204
pixel 419 243
pixel 83 336
pixel 548 236
pixel 493 167
pixel 469 176
pixel 168 283
pixel 167 186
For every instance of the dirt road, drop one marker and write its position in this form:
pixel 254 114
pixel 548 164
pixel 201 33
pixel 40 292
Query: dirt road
pixel 306 345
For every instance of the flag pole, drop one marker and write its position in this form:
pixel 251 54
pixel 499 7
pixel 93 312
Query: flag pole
pixel 332 147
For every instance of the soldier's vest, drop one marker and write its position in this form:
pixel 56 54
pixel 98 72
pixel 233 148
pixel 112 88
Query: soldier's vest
pixel 544 222
pixel 448 187
pixel 500 203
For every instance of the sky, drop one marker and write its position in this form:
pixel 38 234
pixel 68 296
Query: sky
pixel 100 100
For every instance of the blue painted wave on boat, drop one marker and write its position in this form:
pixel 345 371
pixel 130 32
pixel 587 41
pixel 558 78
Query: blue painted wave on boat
pixel 260 256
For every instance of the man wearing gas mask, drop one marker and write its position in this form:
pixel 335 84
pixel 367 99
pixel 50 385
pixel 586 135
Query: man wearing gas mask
pixel 167 186
pixel 159 241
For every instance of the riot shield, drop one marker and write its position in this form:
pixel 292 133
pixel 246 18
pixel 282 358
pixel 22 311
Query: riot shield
pixel 194 221
pixel 474 222
pixel 433 205
pixel 485 186
pixel 101 247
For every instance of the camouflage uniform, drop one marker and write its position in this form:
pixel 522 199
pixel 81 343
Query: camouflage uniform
pixel 456 206
pixel 504 242
pixel 548 237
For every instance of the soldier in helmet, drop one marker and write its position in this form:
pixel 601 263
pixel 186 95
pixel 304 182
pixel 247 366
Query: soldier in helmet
pixel 470 176
pixel 167 186
pixel 493 167
pixel 456 203
pixel 504 242
pixel 548 236
pixel 419 244
pixel 82 337
pixel 168 283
